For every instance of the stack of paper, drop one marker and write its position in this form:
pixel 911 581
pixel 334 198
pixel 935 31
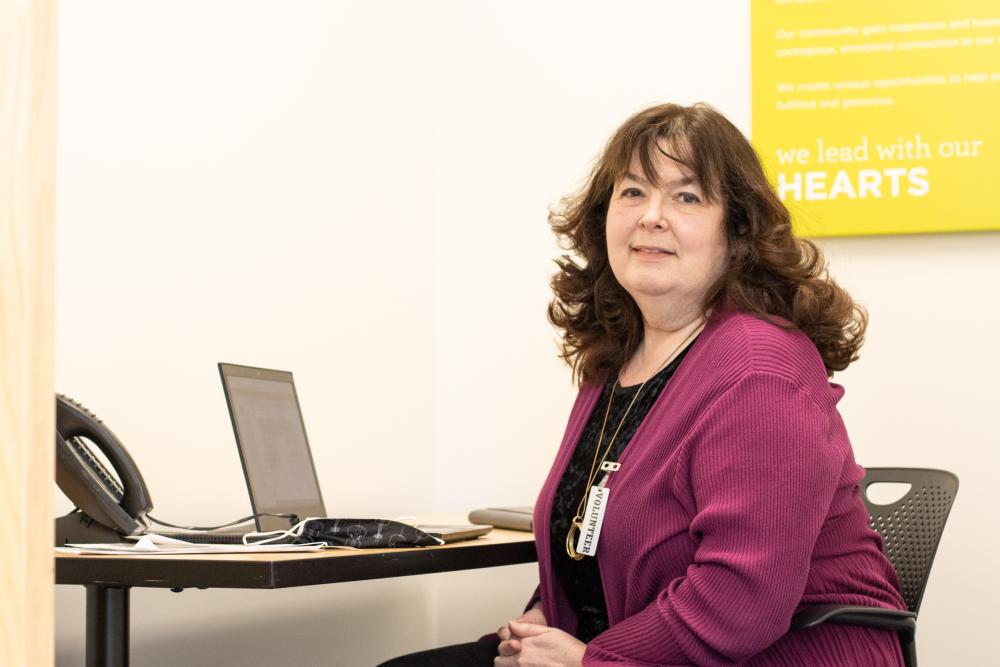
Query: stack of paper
pixel 152 544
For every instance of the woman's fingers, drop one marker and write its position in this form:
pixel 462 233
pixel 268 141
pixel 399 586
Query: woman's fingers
pixel 509 644
pixel 533 616
pixel 522 630
pixel 509 648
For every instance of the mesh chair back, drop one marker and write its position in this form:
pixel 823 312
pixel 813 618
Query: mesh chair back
pixel 911 527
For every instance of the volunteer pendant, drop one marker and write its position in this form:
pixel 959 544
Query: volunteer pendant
pixel 575 526
pixel 593 518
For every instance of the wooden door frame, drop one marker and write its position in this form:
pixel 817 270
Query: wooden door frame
pixel 28 66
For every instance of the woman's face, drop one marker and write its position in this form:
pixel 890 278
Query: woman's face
pixel 665 241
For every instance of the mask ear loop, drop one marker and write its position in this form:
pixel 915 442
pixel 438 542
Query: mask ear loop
pixel 272 536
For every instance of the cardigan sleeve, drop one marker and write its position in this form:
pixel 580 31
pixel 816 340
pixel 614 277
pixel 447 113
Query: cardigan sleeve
pixel 758 472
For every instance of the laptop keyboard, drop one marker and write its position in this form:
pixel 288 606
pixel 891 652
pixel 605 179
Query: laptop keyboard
pixel 219 537
pixel 207 538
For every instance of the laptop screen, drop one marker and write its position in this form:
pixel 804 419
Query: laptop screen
pixel 273 446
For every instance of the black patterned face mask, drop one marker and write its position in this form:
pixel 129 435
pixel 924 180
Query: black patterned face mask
pixel 365 534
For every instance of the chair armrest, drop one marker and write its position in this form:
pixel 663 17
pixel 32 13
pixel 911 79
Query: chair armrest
pixel 845 614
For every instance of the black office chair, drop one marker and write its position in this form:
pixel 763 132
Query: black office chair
pixel 911 528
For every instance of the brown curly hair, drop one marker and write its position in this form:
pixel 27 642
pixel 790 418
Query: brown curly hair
pixel 771 273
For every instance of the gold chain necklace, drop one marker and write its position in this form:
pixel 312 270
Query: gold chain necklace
pixel 576 525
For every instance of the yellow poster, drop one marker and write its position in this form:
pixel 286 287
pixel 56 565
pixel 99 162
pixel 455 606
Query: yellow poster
pixel 879 117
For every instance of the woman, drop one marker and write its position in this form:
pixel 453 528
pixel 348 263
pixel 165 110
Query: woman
pixel 705 487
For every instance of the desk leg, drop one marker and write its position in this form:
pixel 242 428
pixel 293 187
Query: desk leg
pixel 107 626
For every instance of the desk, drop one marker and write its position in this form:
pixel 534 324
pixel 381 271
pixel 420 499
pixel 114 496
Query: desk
pixel 109 578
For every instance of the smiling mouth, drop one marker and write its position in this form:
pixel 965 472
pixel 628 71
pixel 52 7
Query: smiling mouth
pixel 650 250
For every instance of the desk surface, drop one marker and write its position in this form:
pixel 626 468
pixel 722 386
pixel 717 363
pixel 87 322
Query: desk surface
pixel 500 547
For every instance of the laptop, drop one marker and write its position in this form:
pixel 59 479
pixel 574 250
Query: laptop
pixel 276 458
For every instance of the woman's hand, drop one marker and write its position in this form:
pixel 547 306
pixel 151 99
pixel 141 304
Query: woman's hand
pixel 534 645
pixel 533 616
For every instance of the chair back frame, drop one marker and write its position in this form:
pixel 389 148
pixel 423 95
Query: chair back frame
pixel 911 527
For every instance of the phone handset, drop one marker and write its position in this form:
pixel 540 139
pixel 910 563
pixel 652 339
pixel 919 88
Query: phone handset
pixel 86 482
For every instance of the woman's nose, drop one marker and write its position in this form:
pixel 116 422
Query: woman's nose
pixel 653 215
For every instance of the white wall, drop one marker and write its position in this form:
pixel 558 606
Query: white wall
pixel 357 192
pixel 924 394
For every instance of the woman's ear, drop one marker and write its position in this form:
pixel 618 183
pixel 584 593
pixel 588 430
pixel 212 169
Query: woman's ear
pixel 738 246
pixel 738 238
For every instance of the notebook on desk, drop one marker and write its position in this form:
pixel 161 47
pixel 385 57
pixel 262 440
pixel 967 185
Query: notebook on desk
pixel 276 458
pixel 511 518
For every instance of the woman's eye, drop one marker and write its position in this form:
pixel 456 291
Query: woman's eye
pixel 629 193
pixel 688 198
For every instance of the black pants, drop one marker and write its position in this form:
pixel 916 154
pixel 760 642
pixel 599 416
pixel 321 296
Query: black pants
pixel 474 654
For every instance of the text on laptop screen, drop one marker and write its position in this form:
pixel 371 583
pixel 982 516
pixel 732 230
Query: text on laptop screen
pixel 275 450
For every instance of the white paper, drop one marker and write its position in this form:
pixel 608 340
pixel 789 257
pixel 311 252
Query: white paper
pixel 152 544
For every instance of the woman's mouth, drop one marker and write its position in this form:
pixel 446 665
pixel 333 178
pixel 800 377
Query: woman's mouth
pixel 651 251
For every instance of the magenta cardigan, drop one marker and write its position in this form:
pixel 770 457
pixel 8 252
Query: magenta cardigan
pixel 737 501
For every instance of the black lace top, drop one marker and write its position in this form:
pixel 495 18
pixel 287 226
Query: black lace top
pixel 581 579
